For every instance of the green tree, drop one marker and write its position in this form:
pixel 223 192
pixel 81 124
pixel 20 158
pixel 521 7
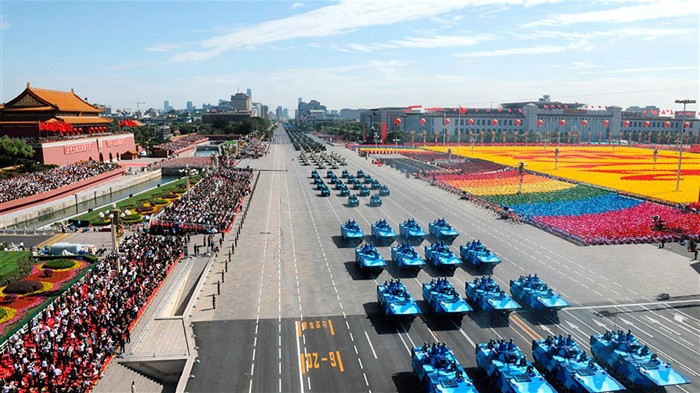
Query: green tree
pixel 14 151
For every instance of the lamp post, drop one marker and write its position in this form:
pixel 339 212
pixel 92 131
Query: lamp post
pixel 396 144
pixel 680 140
pixel 521 168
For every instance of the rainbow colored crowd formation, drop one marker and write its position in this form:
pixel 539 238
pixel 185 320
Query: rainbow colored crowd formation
pixel 581 213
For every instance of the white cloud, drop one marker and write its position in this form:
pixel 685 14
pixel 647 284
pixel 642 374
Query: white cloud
pixel 580 65
pixel 297 5
pixel 651 69
pixel 425 42
pixel 163 47
pixel 533 50
pixel 642 11
pixel 336 19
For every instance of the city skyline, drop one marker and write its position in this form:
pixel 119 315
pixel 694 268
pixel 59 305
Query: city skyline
pixel 470 53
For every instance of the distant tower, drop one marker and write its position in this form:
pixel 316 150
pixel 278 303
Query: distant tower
pixel 166 106
pixel 299 101
pixel 190 107
pixel 249 92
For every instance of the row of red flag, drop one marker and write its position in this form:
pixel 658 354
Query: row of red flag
pixel 127 123
pixel 59 126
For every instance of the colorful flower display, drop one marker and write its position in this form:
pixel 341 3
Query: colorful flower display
pixel 18 307
pixel 582 213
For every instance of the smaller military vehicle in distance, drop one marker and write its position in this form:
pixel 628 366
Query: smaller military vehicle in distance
pixel 444 299
pixel 383 232
pixel 325 191
pixel 439 371
pixel 411 231
pixel 478 255
pixel 345 173
pixel 375 200
pixel 353 200
pixel 486 295
pixel 508 369
pixel 360 174
pixel 350 179
pixel 406 257
pixel 569 368
pixel 395 300
pixel 344 191
pixel 364 191
pixel 384 190
pixel 330 174
pixel 351 232
pixel 442 230
pixel 375 184
pixel 440 256
pixel 631 362
pixel 314 174
pixel 531 292
pixel 368 179
pixel 369 259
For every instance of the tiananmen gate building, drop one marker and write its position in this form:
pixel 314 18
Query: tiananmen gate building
pixel 62 127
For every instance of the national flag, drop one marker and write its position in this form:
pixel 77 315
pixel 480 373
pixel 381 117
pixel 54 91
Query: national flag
pixel 462 109
pixel 546 107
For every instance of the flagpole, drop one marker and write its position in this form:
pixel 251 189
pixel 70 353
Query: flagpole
pixel 459 126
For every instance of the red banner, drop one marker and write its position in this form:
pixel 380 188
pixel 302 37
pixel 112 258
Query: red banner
pixel 80 147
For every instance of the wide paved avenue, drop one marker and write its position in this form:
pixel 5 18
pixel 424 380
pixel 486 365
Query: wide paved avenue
pixel 296 315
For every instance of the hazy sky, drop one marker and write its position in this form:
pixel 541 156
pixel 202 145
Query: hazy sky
pixel 352 54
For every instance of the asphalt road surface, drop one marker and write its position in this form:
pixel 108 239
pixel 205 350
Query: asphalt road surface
pixel 298 316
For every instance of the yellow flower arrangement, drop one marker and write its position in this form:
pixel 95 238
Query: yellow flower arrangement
pixel 9 314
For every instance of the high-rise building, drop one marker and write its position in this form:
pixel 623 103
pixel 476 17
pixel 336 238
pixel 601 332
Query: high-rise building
pixel 285 113
pixel 279 113
pixel 240 102
pixel 166 106
pixel 304 109
pixel 249 91
pixel 190 107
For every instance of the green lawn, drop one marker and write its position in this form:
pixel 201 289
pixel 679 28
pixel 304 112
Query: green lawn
pixel 131 203
pixel 9 259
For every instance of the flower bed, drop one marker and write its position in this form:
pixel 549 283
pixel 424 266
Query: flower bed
pixel 18 306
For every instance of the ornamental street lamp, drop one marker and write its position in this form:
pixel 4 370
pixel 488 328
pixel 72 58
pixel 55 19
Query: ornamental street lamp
pixel 396 142
pixel 521 168
pixel 680 139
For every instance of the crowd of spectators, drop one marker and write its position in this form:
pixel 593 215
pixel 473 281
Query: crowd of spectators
pixel 66 346
pixel 37 182
pixel 66 137
pixel 210 205
pixel 181 143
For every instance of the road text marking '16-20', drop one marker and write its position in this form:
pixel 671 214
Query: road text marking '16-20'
pixel 312 360
pixel 315 325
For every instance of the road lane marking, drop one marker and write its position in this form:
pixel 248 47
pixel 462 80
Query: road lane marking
pixel 370 344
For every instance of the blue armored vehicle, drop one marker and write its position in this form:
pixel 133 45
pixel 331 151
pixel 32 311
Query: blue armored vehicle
pixel 344 191
pixel 406 257
pixel 383 232
pixel 350 179
pixel 353 200
pixel 478 255
pixel 360 174
pixel 369 259
pixel 351 231
pixel 486 295
pixel 318 182
pixel 631 362
pixel 339 185
pixel 439 371
pixel 368 179
pixel 314 174
pixel 440 256
pixel 396 301
pixel 364 191
pixel 411 231
pixel 569 368
pixel 509 370
pixel 444 299
pixel 330 174
pixel 375 200
pixel 356 184
pixel 325 191
pixel 384 190
pixel 345 173
pixel 375 184
pixel 442 230
pixel 533 293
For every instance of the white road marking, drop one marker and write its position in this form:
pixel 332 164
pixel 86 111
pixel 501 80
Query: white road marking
pixel 370 344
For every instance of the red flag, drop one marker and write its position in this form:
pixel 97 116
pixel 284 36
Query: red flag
pixel 462 109
pixel 546 107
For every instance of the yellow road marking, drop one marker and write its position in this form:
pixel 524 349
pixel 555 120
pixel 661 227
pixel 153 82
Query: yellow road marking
pixel 54 239
pixel 530 332
pixel 330 324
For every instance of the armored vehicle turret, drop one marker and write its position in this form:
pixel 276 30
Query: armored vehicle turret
pixel 444 299
pixel 631 362
pixel 395 300
pixel 364 191
pixel 508 369
pixel 375 200
pixel 360 174
pixel 439 371
pixel 486 295
pixel 478 255
pixel 345 192
pixel 369 259
pixel 531 292
pixel 345 173
pixel 325 191
pixel 442 230
pixel 384 190
pixel 440 256
pixel 411 231
pixel 569 368
pixel 406 257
